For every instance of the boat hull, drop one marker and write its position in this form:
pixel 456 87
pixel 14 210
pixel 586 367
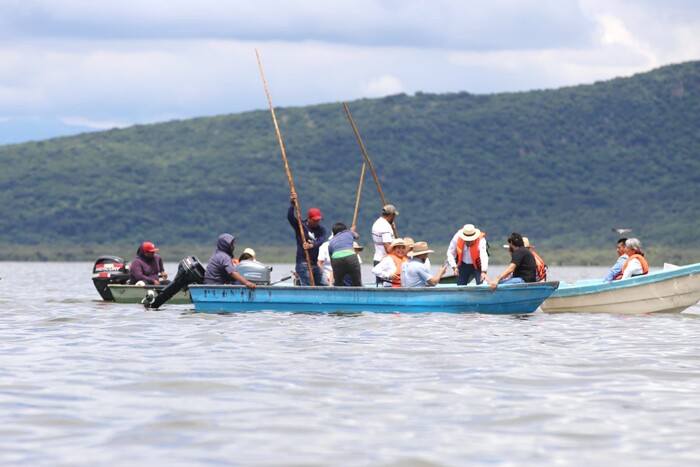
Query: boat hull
pixel 663 291
pixel 136 293
pixel 507 299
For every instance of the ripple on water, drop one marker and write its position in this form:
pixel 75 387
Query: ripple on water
pixel 115 384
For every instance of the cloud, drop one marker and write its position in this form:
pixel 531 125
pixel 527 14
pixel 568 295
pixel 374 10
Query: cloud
pixel 123 62
pixel 92 124
pixel 382 86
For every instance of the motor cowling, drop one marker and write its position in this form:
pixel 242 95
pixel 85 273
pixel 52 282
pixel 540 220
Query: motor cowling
pixel 189 271
pixel 109 270
pixel 255 271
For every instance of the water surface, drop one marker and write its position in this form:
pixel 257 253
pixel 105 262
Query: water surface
pixel 84 382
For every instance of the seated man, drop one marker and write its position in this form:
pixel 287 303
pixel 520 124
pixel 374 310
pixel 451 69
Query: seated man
pixel 621 258
pixel 147 267
pixel 415 273
pixel 220 269
pixel 522 267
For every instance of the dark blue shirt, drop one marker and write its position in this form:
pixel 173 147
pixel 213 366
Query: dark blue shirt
pixel 316 235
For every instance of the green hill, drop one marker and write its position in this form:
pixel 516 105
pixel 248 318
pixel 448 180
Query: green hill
pixel 562 166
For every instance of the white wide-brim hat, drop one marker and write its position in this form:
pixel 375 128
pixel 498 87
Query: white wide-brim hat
pixel 469 233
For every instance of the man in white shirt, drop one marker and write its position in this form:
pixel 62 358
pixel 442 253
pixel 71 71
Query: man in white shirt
pixel 468 255
pixel 383 233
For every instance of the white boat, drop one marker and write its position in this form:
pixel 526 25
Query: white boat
pixel 668 290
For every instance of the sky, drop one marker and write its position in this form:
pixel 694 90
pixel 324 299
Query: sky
pixel 70 66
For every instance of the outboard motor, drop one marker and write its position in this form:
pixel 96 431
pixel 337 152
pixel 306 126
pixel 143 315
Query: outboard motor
pixel 189 271
pixel 109 270
pixel 255 271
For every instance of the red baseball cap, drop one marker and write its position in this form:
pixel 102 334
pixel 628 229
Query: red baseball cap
pixel 149 246
pixel 315 214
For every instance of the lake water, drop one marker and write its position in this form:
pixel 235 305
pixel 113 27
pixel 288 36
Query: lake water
pixel 84 382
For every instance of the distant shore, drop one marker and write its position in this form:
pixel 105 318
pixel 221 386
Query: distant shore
pixel 656 256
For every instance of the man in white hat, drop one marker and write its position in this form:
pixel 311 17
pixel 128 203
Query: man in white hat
pixel 468 255
pixel 415 273
pixel 383 234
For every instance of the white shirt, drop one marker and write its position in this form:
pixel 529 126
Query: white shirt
pixel 382 233
pixel 634 268
pixel 385 269
pixel 325 258
pixel 466 257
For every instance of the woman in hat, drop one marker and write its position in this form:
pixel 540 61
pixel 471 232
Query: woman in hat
pixel 389 268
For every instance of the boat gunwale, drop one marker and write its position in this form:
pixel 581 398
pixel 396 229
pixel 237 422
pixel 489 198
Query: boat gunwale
pixel 571 289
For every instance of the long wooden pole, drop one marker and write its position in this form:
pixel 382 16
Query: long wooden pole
pixel 364 153
pixel 369 162
pixel 289 173
pixel 359 190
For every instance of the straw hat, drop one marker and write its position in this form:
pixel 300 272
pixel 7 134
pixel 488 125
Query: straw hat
pixel 469 233
pixel 357 246
pixel 408 241
pixel 420 248
pixel 398 242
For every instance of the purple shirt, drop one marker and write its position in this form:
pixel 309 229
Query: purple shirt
pixel 220 267
pixel 342 241
pixel 145 269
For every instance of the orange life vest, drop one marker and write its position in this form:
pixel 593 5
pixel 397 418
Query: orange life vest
pixel 398 261
pixel 541 268
pixel 473 251
pixel 642 261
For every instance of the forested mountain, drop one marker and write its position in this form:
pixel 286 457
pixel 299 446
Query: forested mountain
pixel 562 166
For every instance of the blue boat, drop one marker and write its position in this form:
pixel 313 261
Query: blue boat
pixel 673 289
pixel 505 300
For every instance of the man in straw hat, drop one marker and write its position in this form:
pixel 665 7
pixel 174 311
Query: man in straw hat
pixel 389 268
pixel 522 265
pixel 383 233
pixel 468 255
pixel 415 273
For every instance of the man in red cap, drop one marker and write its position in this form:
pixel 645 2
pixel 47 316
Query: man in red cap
pixel 147 267
pixel 315 235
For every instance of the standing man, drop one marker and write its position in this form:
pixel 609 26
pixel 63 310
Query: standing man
pixel 415 273
pixel 147 267
pixel 522 264
pixel 383 234
pixel 315 235
pixel 468 255
pixel 621 258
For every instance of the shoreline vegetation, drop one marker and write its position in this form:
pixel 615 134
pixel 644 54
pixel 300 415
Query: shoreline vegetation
pixel 656 256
